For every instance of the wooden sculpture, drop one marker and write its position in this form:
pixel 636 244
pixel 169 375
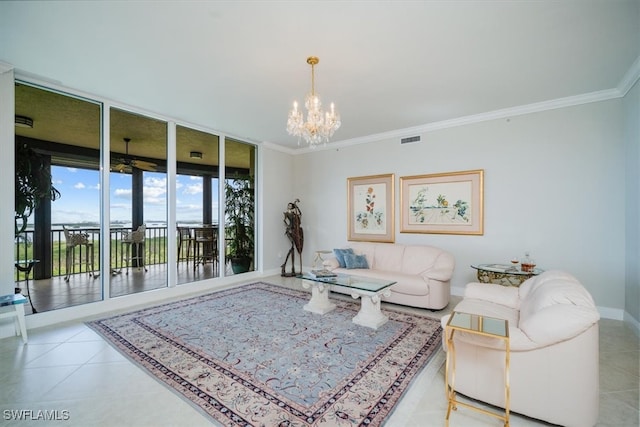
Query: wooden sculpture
pixel 292 221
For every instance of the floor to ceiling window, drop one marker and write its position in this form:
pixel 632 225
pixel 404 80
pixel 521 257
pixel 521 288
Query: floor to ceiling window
pixel 138 203
pixel 197 201
pixel 240 205
pixel 66 256
pixel 58 234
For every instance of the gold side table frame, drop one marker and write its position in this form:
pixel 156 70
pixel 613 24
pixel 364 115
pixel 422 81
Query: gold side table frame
pixel 483 326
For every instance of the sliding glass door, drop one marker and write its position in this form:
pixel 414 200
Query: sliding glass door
pixel 138 203
pixel 57 193
pixel 64 254
pixel 197 202
pixel 240 206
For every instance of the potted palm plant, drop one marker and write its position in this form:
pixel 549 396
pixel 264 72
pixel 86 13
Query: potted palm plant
pixel 240 208
pixel 32 185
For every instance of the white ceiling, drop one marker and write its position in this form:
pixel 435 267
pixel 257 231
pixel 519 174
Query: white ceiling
pixel 236 67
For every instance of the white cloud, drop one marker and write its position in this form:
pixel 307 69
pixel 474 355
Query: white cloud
pixel 123 193
pixel 155 182
pixel 193 189
pixel 79 186
pixel 154 191
pixel 158 201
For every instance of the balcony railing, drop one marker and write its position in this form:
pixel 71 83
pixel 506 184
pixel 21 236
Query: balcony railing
pixel 154 248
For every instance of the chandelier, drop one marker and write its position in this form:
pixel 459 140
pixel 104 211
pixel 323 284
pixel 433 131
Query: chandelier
pixel 319 125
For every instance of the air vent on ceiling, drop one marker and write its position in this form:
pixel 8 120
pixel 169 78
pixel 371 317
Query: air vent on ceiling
pixel 410 139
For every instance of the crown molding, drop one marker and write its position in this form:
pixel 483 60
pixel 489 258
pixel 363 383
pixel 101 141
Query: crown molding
pixel 5 67
pixel 624 86
pixel 536 107
pixel 281 148
pixel 630 78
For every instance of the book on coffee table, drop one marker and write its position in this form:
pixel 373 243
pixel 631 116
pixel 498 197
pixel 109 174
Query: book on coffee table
pixel 322 273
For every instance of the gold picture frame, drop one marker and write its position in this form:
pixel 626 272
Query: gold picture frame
pixel 370 208
pixel 443 203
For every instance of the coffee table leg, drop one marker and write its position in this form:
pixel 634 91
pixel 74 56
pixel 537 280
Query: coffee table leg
pixel 319 302
pixel 370 314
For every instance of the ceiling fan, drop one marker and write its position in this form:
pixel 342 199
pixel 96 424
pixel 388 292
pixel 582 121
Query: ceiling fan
pixel 127 162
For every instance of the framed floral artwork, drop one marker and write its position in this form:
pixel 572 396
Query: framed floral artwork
pixel 370 208
pixel 444 203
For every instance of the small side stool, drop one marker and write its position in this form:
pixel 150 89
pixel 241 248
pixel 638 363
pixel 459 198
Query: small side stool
pixel 15 301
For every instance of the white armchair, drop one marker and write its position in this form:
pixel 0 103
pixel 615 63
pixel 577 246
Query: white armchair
pixel 553 328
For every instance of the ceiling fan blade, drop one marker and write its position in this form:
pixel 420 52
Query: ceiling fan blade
pixel 120 167
pixel 144 165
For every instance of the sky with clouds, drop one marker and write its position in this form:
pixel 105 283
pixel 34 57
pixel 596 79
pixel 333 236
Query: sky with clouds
pixel 80 200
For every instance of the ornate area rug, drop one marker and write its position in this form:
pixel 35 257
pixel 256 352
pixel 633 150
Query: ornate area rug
pixel 252 356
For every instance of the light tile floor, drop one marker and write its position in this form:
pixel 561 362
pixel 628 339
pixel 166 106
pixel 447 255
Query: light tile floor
pixel 69 371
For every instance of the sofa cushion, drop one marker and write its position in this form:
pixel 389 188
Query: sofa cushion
pixel 339 253
pixel 366 249
pixel 554 306
pixel 407 284
pixel 551 275
pixel 355 261
pixel 497 294
pixel 489 309
pixel 558 323
pixel 550 288
pixel 418 259
pixel 388 257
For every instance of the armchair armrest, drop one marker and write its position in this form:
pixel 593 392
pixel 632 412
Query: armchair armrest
pixel 498 294
pixel 330 263
pixel 441 274
pixel 558 323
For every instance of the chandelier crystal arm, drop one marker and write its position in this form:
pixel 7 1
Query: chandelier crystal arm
pixel 318 126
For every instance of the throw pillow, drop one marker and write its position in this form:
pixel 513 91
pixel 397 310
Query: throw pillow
pixel 340 253
pixel 355 261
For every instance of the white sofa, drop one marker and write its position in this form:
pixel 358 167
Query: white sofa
pixel 422 272
pixel 553 329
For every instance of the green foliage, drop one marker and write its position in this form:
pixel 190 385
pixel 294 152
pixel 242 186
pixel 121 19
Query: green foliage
pixel 240 208
pixel 33 183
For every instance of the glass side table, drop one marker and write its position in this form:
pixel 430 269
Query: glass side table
pixel 503 274
pixel 483 326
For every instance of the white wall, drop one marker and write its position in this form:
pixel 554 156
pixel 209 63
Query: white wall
pixel 7 182
pixel 554 186
pixel 275 194
pixel 632 208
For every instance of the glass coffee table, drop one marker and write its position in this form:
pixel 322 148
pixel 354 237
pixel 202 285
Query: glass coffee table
pixel 368 290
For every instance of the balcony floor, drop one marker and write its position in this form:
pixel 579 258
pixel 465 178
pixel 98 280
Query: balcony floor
pixel 56 293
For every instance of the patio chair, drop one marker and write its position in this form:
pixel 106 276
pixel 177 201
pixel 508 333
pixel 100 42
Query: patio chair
pixel 185 245
pixel 206 245
pixel 80 240
pixel 133 248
